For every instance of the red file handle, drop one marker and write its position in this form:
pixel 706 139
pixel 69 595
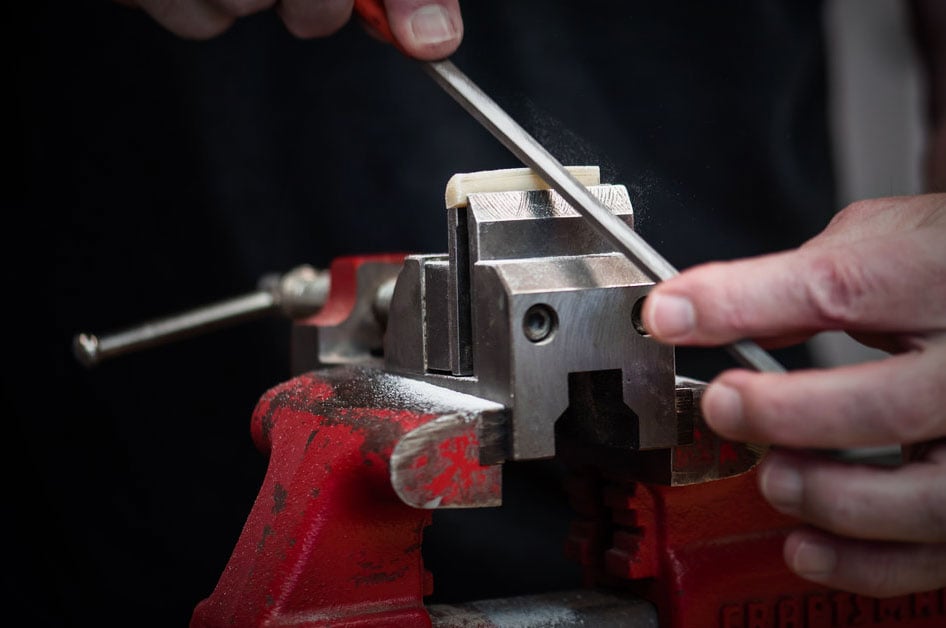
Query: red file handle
pixel 376 16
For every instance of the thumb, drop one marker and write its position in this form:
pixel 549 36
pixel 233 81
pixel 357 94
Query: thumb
pixel 426 29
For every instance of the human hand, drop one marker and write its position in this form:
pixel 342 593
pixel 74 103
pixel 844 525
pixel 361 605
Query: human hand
pixel 878 271
pixel 426 29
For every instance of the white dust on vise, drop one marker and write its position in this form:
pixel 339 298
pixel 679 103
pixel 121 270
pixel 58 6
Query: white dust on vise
pixel 422 396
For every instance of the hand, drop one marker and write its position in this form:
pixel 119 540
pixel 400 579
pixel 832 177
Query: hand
pixel 878 271
pixel 426 29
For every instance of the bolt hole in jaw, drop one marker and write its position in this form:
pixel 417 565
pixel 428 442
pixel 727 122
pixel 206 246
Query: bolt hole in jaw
pixel 540 323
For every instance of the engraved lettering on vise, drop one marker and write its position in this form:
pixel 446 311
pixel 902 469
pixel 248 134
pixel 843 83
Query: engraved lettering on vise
pixel 832 610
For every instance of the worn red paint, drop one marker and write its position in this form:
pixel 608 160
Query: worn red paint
pixel 327 540
pixel 711 555
pixel 442 467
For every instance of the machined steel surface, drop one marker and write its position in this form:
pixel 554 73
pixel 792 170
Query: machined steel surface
pixel 519 260
pixel 534 155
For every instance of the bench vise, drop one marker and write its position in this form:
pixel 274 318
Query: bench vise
pixel 418 376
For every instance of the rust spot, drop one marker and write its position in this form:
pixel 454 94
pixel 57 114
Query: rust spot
pixel 268 423
pixel 269 600
pixel 292 542
pixel 315 492
pixel 380 576
pixel 267 531
pixel 279 498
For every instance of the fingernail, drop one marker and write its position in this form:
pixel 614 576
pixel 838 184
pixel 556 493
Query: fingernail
pixel 672 316
pixel 782 486
pixel 722 407
pixel 432 25
pixel 814 560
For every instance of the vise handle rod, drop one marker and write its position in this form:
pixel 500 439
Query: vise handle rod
pixel 299 293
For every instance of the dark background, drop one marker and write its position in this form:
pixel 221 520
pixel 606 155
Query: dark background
pixel 146 174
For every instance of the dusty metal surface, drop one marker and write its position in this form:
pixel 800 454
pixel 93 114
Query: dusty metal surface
pixel 560 609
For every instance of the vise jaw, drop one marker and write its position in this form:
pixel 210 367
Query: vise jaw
pixel 530 307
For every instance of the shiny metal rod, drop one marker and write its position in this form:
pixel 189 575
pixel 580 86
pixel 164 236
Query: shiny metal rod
pixel 299 293
pixel 534 155
pixel 90 349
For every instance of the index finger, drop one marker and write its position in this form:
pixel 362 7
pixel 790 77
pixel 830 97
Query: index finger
pixel 882 283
